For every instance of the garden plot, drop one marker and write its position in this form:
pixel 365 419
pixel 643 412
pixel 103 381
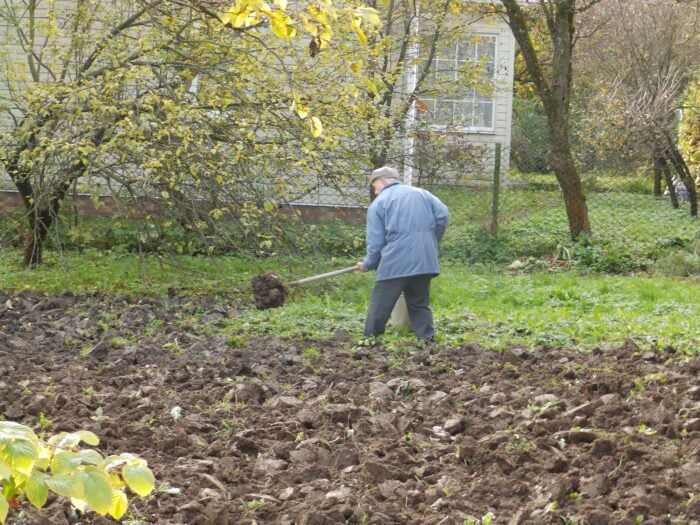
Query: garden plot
pixel 275 431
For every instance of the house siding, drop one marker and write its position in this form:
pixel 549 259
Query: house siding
pixel 353 193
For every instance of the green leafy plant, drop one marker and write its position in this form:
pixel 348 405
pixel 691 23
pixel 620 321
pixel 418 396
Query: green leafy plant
pixel 485 520
pixel 31 467
pixel 256 504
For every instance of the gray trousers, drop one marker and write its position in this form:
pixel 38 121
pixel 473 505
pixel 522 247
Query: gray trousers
pixel 416 290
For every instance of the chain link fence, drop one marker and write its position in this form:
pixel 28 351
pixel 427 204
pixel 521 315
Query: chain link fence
pixel 636 220
pixel 506 203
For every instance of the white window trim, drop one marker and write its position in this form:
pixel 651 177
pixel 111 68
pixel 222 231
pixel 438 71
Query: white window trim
pixel 470 129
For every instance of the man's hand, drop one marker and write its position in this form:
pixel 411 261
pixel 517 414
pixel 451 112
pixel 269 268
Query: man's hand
pixel 362 266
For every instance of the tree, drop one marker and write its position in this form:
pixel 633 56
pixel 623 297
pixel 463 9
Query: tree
pixel 178 102
pixel 640 55
pixel 398 69
pixel 553 85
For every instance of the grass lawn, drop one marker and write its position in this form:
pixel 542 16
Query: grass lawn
pixel 494 308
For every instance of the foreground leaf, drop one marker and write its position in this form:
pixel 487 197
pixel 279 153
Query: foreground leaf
pixel 97 490
pixel 5 471
pixel 36 489
pixel 65 485
pixel 119 504
pixel 20 455
pixel 139 478
pixel 4 508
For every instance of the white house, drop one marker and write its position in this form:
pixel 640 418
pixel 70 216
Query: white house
pixel 460 119
pixel 456 119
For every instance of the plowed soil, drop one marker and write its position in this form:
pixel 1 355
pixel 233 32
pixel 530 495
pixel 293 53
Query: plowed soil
pixel 325 431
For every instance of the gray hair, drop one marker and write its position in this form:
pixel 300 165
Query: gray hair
pixel 385 172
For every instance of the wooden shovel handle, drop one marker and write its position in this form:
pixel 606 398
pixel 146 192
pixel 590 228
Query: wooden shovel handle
pixel 322 276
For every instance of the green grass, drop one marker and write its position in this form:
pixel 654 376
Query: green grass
pixel 631 232
pixel 476 300
pixel 92 271
pixel 568 309
pixel 498 310
pixel 493 308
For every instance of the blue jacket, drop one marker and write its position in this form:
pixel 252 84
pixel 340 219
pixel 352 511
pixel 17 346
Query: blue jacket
pixel 404 226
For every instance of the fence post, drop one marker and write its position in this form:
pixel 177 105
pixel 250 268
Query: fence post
pixel 496 191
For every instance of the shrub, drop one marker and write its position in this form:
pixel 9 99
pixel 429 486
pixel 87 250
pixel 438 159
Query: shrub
pixel 680 264
pixel 31 467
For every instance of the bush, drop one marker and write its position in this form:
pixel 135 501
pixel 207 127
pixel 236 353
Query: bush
pixel 530 139
pixel 680 264
pixel 31 467
pixel 608 259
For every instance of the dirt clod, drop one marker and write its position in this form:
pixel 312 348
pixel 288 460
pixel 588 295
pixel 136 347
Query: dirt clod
pixel 263 437
pixel 268 290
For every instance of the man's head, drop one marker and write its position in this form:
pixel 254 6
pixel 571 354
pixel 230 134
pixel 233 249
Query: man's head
pixel 382 177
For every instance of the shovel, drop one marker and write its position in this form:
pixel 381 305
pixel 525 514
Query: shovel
pixel 269 291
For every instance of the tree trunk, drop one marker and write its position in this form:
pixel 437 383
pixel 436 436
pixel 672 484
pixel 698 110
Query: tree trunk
pixel 567 175
pixel 40 213
pixel 39 223
pixel 681 167
pixel 555 92
pixel 657 161
pixel 669 182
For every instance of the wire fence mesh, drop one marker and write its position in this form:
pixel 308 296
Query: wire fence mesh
pixel 630 207
pixel 509 195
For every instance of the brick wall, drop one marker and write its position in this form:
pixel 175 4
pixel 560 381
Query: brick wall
pixel 108 207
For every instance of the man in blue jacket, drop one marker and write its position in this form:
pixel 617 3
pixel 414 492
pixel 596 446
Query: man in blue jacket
pixel 404 226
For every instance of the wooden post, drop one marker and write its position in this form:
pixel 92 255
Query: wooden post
pixel 496 191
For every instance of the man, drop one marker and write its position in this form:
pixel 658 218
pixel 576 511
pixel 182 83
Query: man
pixel 404 226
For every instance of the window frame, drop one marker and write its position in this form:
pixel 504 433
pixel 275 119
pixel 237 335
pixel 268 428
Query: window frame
pixel 475 99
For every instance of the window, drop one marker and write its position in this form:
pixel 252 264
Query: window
pixel 459 88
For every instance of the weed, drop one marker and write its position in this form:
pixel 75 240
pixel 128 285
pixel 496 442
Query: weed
pixel 256 504
pixel 173 347
pixel 118 342
pixel 43 421
pixel 236 341
pixel 89 391
pixel 153 327
pixel 521 445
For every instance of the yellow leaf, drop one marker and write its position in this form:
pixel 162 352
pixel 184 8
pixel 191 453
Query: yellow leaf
pixel 79 504
pixel 316 127
pixel 119 504
pixel 309 25
pixel 361 36
pixel 97 489
pixel 371 86
pixel 36 489
pixel 139 478
pixel 282 25
pixel 301 110
pixel 370 15
pixel 356 66
pixel 355 26
pixel 20 455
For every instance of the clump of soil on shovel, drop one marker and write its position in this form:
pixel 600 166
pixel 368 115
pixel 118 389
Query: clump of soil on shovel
pixel 268 290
